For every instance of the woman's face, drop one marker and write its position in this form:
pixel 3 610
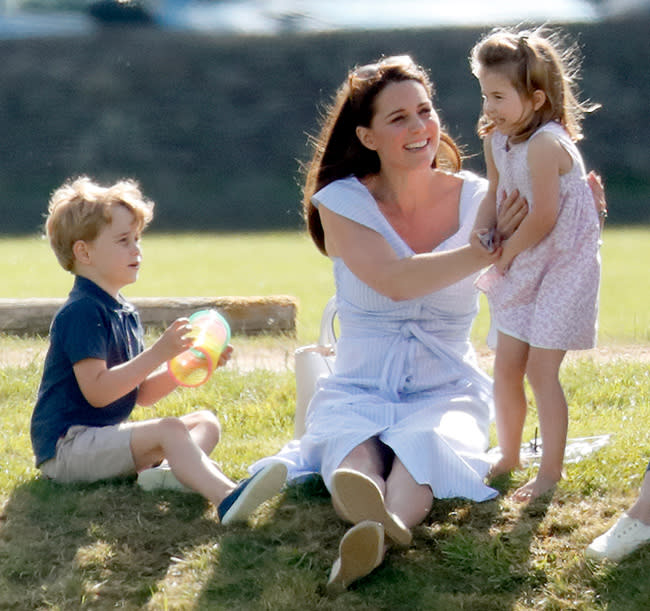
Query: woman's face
pixel 405 129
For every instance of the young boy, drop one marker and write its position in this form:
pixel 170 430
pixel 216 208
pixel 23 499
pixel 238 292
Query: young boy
pixel 97 369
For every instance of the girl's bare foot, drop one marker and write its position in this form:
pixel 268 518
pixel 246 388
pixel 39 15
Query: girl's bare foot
pixel 501 467
pixel 535 488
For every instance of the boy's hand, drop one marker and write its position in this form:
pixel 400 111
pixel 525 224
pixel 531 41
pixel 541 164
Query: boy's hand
pixel 176 339
pixel 225 355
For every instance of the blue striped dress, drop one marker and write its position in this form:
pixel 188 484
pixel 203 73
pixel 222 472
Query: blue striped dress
pixel 405 371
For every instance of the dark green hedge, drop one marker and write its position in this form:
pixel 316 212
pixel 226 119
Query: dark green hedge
pixel 215 127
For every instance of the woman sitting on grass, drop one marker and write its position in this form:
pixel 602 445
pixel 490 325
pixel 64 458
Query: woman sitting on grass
pixel 404 418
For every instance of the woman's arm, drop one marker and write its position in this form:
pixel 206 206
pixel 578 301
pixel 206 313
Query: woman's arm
pixel 371 259
pixel 486 217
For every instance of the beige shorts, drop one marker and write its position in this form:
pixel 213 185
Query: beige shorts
pixel 91 453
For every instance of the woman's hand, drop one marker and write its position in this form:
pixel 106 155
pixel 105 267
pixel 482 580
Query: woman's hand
pixel 482 246
pixel 598 190
pixel 512 210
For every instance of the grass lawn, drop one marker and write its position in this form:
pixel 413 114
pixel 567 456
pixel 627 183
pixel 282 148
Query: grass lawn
pixel 112 545
pixel 288 263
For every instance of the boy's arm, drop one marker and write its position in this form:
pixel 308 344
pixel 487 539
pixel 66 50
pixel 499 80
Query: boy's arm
pixel 545 154
pixel 156 386
pixel 101 385
pixel 159 384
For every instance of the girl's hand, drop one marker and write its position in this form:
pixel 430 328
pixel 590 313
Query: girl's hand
pixel 512 211
pixel 176 339
pixel 598 190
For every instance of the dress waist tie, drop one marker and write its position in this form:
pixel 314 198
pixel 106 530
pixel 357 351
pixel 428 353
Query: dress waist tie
pixel 392 377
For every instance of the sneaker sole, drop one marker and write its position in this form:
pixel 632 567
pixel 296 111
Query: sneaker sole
pixel 361 500
pixel 360 552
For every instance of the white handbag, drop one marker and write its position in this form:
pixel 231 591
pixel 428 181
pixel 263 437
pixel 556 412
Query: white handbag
pixel 312 362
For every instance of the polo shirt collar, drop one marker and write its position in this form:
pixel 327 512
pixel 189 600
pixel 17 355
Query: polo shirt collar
pixel 85 287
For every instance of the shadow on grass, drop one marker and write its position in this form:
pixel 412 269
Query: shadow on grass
pixel 108 543
pixel 465 555
pixel 624 586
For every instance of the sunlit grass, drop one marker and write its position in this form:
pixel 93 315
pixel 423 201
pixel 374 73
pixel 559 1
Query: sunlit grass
pixel 288 263
pixel 111 545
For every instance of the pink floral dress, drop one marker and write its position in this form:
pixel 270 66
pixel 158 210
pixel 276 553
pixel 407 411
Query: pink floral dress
pixel 549 296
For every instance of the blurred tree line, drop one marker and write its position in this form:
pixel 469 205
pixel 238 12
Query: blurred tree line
pixel 215 128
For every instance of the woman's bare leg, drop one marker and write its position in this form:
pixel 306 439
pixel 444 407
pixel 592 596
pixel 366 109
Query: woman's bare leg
pixel 407 499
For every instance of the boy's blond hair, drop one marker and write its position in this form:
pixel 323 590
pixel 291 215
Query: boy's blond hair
pixel 80 208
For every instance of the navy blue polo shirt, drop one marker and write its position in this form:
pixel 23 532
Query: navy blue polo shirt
pixel 90 324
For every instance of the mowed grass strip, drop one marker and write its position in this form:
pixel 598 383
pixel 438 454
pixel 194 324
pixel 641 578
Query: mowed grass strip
pixel 288 263
pixel 111 544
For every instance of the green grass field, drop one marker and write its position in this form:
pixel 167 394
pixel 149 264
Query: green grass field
pixel 289 264
pixel 111 545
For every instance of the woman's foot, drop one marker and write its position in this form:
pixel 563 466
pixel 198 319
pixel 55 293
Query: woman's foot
pixel 360 499
pixel 535 488
pixel 361 551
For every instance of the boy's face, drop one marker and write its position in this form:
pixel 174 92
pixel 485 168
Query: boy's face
pixel 113 258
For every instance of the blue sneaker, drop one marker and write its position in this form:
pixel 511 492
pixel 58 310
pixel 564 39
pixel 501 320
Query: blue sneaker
pixel 251 493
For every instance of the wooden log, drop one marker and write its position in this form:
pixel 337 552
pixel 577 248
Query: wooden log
pixel 274 314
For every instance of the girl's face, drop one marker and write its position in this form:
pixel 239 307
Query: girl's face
pixel 502 103
pixel 405 129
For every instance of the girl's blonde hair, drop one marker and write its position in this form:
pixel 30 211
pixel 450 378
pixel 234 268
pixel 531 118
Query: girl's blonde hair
pixel 80 208
pixel 338 153
pixel 532 60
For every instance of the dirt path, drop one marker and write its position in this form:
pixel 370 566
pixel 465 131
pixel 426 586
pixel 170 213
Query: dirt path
pixel 280 358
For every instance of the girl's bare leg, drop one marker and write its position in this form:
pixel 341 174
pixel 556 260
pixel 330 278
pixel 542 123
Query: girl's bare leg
pixel 510 400
pixel 543 374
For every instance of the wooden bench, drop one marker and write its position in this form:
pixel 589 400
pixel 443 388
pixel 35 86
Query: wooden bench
pixel 274 314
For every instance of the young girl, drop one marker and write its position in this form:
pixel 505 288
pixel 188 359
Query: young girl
pixel 543 292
